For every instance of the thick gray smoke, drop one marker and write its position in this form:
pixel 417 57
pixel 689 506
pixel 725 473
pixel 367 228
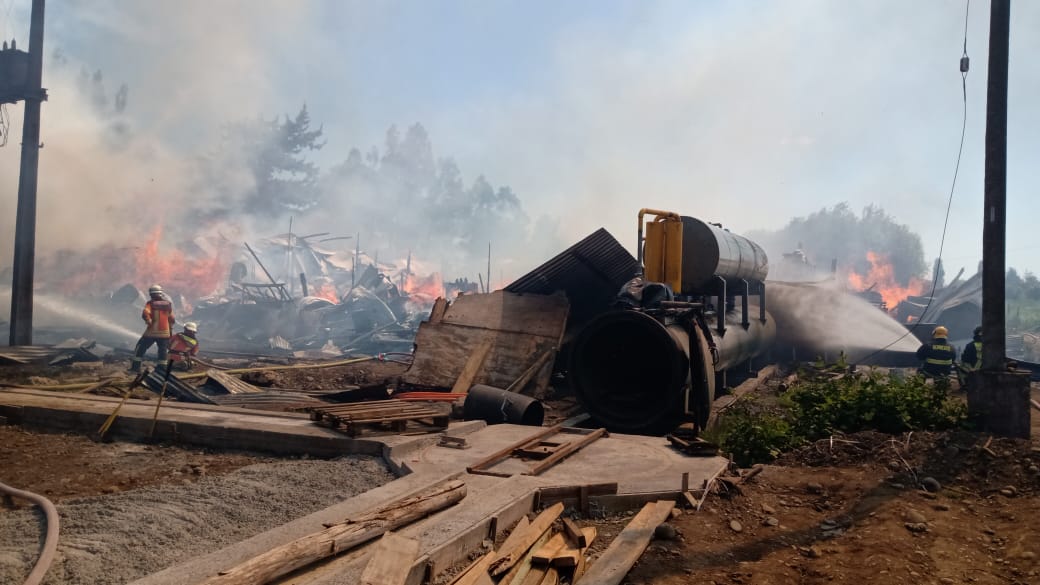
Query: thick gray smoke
pixel 826 319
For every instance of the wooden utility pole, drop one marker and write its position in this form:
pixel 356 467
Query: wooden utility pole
pixel 994 223
pixel 998 399
pixel 25 218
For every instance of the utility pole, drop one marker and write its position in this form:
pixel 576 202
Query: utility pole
pixel 998 400
pixel 25 218
pixel 994 223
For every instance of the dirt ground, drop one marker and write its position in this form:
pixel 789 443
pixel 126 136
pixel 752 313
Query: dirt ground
pixel 61 466
pixel 852 512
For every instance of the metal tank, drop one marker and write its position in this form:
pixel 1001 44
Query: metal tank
pixel 648 368
pixel 709 251
pixel 637 373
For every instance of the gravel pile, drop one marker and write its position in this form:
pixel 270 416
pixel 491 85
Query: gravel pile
pixel 121 537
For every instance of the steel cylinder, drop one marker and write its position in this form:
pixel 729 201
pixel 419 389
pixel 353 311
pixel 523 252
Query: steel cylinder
pixel 636 373
pixel 496 406
pixel 710 251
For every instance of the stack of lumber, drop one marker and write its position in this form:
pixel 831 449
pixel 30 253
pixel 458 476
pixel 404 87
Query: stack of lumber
pixel 549 550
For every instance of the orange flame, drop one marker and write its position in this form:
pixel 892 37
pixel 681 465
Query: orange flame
pixel 881 277
pixel 193 278
pixel 424 289
pixel 325 291
pixel 101 271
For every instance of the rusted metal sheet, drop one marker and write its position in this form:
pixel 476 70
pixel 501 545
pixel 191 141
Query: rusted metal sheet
pixel 590 273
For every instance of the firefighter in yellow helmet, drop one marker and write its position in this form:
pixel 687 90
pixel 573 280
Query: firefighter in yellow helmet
pixel 938 355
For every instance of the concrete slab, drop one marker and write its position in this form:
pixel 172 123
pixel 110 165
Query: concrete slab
pixel 649 463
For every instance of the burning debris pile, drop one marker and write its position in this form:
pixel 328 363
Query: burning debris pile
pixel 289 295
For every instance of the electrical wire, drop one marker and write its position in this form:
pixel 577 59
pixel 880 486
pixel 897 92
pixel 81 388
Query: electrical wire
pixel 953 187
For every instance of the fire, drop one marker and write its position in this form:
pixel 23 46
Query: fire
pixel 882 279
pixel 325 291
pixel 100 272
pixel 193 278
pixel 424 289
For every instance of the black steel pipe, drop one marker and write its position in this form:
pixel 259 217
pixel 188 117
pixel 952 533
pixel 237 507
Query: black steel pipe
pixel 496 406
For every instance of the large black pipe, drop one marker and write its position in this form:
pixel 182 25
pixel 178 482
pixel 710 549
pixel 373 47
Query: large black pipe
pixel 638 374
pixel 496 406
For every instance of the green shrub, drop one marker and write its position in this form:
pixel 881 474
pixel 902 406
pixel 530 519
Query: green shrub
pixel 750 434
pixel 872 401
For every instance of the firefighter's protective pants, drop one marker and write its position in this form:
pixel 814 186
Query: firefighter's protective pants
pixel 162 345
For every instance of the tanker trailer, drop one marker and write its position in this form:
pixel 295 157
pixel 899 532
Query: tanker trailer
pixel 698 310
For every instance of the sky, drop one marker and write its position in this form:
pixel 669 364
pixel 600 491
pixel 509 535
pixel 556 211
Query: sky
pixel 745 113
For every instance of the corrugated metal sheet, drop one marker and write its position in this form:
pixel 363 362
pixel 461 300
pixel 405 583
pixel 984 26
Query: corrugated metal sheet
pixel 590 273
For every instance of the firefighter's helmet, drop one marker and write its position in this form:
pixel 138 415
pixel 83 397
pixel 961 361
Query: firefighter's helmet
pixel 192 327
pixel 940 331
pixel 978 331
pixel 155 289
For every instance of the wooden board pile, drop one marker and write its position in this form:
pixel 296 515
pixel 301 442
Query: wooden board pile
pixel 549 551
pixel 376 415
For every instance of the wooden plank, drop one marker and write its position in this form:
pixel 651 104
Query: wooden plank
pixel 520 570
pixel 547 552
pixel 535 575
pixel 507 557
pixel 471 574
pixel 508 451
pixel 443 348
pixel 552 577
pixel 437 312
pixel 582 566
pixel 339 537
pixel 541 315
pixel 391 561
pixel 688 500
pixel 472 368
pixel 571 554
pixel 550 494
pixel 515 536
pixel 521 382
pixel 574 533
pixel 625 550
pixel 566 451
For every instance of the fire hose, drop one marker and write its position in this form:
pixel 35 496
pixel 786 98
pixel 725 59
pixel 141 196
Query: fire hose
pixel 50 543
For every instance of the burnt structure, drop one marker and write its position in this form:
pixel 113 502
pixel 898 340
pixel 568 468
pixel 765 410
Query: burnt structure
pixel 698 310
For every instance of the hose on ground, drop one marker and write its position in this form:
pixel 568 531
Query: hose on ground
pixel 50 542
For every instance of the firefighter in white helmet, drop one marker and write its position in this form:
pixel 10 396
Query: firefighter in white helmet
pixel 159 321
pixel 184 346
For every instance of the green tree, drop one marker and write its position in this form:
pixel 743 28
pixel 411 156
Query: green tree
pixel 273 152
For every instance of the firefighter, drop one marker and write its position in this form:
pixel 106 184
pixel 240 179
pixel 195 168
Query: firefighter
pixel 183 346
pixel 971 358
pixel 938 355
pixel 158 318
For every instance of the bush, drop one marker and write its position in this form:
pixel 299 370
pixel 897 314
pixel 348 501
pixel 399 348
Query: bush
pixel 872 401
pixel 752 433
